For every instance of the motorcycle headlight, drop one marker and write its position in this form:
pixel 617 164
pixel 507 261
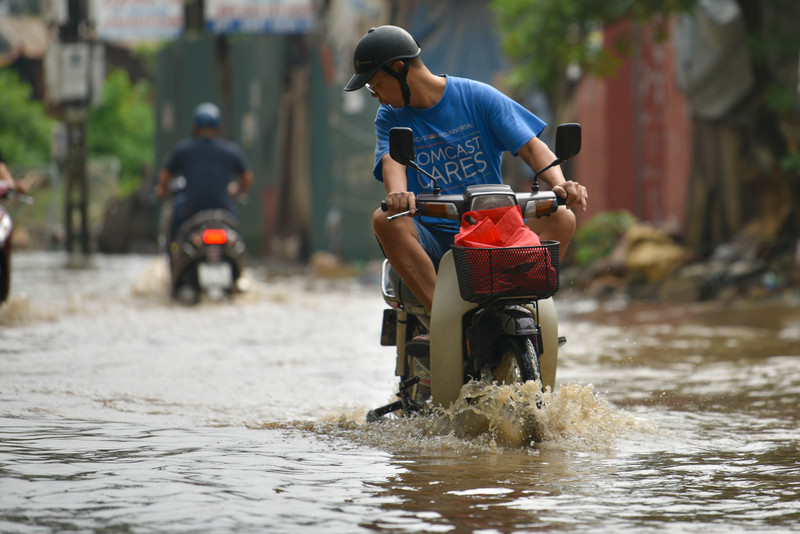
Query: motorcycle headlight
pixel 5 227
pixel 488 202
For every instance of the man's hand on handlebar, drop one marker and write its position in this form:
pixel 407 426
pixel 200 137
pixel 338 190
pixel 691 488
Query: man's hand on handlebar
pixel 573 193
pixel 400 201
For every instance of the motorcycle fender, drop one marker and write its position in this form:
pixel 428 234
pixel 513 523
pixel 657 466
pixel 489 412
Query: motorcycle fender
pixel 511 320
pixel 517 321
pixel 447 335
pixel 545 312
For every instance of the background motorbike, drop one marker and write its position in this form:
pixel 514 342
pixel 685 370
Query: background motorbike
pixel 206 257
pixel 493 317
pixel 6 231
pixel 206 254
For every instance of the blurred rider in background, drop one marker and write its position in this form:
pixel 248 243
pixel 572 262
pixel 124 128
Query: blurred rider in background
pixel 7 180
pixel 214 170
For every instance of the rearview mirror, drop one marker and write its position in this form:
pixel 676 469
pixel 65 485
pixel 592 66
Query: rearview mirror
pixel 401 145
pixel 568 140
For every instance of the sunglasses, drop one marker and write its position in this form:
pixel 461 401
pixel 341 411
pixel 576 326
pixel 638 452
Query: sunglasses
pixel 371 86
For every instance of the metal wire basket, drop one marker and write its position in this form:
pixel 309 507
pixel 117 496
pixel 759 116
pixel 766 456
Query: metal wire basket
pixel 510 273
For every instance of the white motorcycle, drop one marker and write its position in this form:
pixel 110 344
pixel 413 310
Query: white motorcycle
pixel 493 317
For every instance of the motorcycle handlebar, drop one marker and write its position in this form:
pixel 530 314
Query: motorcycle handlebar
pixel 454 206
pixel 15 195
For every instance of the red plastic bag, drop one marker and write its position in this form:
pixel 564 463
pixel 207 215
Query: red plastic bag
pixel 515 271
pixel 498 227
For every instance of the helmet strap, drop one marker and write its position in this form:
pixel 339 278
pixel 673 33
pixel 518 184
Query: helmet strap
pixel 402 77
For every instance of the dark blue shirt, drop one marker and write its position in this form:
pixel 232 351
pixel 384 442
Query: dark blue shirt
pixel 208 164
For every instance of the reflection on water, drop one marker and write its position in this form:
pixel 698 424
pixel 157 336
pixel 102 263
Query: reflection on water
pixel 121 411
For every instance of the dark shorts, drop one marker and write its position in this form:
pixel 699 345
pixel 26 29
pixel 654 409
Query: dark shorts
pixel 436 241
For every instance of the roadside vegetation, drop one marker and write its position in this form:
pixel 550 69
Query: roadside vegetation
pixel 26 127
pixel 119 137
pixel 123 126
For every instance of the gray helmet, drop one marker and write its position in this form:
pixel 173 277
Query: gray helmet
pixel 378 47
pixel 206 115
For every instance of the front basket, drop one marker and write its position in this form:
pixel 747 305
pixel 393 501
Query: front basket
pixel 524 273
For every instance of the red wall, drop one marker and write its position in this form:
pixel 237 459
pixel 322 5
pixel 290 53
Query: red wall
pixel 636 134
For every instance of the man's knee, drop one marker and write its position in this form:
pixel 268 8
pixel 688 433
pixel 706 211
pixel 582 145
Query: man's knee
pixel 567 222
pixel 379 221
pixel 560 224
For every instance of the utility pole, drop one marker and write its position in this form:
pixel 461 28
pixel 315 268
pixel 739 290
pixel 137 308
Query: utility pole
pixel 194 18
pixel 74 77
pixel 76 186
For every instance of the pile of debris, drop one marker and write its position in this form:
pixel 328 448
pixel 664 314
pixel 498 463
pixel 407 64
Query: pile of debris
pixel 648 263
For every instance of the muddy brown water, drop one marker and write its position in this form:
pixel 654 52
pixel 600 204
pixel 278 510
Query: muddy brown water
pixel 123 412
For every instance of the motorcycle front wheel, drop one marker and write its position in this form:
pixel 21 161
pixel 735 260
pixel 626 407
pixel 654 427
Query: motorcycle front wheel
pixel 518 361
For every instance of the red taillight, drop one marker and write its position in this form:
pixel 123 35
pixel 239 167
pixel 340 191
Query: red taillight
pixel 215 236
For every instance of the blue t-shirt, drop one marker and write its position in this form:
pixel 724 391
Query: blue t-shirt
pixel 208 164
pixel 461 139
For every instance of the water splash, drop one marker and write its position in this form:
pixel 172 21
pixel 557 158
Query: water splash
pixel 578 417
pixel 153 281
pixel 489 417
pixel 521 415
pixel 19 310
pixel 507 413
pixel 15 310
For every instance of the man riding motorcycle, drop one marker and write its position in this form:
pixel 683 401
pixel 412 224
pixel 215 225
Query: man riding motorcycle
pixel 208 165
pixel 462 127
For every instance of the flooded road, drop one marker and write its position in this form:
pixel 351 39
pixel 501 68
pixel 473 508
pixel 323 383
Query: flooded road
pixel 123 412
